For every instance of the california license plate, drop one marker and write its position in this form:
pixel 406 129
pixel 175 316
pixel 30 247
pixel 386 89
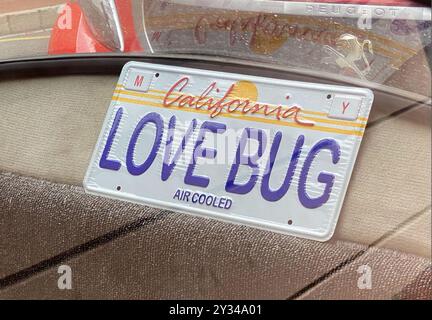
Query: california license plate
pixel 268 153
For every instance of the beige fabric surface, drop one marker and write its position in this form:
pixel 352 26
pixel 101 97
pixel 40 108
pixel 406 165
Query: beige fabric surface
pixel 390 274
pixel 419 289
pixel 413 236
pixel 168 255
pixel 40 219
pixel 174 272
pixel 391 181
pixel 50 134
pixel 50 126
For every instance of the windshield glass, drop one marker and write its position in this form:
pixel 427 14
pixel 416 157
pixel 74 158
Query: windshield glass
pixel 375 42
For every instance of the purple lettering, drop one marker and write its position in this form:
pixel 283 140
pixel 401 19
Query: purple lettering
pixel 190 178
pixel 104 162
pixel 167 168
pixel 250 160
pixel 326 178
pixel 275 195
pixel 133 168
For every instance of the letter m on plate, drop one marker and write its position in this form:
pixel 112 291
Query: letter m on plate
pixel 138 80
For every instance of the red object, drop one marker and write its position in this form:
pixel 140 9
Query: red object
pixel 124 10
pixel 71 32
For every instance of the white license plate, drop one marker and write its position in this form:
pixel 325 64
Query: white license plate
pixel 268 153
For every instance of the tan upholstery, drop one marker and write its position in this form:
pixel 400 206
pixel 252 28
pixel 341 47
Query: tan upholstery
pixel 50 134
pixel 389 270
pixel 154 254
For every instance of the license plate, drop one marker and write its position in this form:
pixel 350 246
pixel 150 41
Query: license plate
pixel 268 153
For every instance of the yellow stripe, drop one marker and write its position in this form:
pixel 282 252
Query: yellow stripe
pixel 248 118
pixel 325 120
pixel 336 122
pixel 136 94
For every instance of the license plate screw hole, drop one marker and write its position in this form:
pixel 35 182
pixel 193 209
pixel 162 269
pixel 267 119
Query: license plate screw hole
pixel 157 75
pixel 290 222
pixel 329 96
pixel 118 188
